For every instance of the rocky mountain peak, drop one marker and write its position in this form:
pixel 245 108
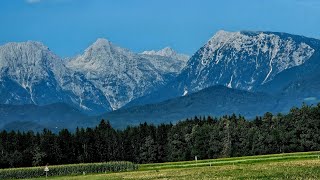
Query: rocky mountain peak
pixel 102 42
pixel 265 53
pixel 244 60
pixel 167 52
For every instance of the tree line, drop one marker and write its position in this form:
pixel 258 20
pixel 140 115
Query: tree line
pixel 204 137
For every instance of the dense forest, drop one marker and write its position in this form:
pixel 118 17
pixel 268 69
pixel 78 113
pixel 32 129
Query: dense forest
pixel 204 137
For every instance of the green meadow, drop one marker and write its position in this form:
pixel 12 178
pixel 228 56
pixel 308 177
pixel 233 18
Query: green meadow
pixel 304 165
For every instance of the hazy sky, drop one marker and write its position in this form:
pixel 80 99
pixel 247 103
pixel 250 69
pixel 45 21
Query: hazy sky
pixel 67 27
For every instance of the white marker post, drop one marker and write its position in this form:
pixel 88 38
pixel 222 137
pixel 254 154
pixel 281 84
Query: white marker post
pixel 196 159
pixel 46 169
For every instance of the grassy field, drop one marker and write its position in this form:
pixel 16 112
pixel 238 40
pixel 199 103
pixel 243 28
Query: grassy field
pixel 277 166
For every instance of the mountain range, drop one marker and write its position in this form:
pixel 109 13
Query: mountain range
pixel 246 72
pixel 104 78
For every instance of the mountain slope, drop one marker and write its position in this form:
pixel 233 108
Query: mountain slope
pixel 123 75
pixel 31 74
pixel 214 101
pixel 241 60
pixel 32 117
pixel 289 76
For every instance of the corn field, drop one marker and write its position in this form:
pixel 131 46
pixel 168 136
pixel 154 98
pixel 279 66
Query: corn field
pixel 65 170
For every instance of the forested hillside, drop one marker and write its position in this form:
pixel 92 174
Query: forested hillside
pixel 204 137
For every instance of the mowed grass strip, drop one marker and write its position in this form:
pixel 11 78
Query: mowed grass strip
pixel 305 165
pixel 234 160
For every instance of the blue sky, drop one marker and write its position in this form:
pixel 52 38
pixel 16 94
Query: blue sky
pixel 67 27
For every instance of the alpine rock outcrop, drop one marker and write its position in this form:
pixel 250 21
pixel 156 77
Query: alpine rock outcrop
pixel 241 60
pixel 31 74
pixel 123 75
